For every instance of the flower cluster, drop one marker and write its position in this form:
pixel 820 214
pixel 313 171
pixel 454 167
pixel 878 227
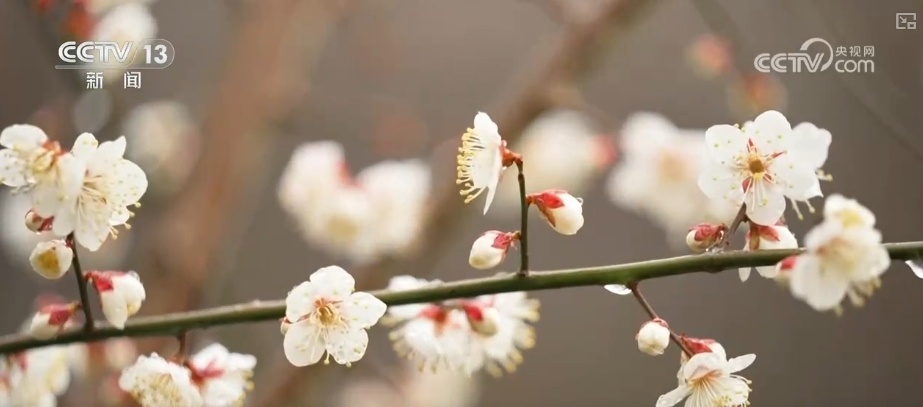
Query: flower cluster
pixel 483 333
pixel 214 377
pixel 363 218
pixel 35 377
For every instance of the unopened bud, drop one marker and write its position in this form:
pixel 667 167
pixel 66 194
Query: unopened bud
pixel 784 268
pixel 489 250
pixel 51 259
pixel 561 210
pixel 653 337
pixel 701 345
pixel 51 319
pixel 703 236
pixel 483 320
pixel 120 294
pixel 37 223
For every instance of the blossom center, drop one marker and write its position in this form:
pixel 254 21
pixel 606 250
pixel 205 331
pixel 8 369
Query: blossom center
pixel 755 165
pixel 671 167
pixel 327 313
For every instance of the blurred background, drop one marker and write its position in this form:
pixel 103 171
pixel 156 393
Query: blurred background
pixel 401 80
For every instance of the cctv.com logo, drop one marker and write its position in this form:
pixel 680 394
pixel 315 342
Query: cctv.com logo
pixel 853 59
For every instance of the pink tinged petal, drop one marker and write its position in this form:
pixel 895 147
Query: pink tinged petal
pixel 721 182
pixel 765 207
pixel 333 283
pixel 673 397
pixel 725 143
pixel 798 180
pixel 740 363
pixel 823 290
pixel 770 132
pixel 85 146
pixel 916 266
pixel 362 310
pixel 702 364
pixel 810 145
pixel 12 169
pixel 300 301
pixel 347 346
pixel 22 136
pixel 303 344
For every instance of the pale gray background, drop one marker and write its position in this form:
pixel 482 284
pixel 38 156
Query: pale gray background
pixel 445 59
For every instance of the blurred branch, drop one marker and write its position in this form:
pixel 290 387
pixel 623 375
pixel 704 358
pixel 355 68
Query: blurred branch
pixel 567 60
pixel 625 274
pixel 263 81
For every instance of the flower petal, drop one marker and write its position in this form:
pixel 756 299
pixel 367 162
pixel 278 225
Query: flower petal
pixel 744 273
pixel 300 301
pixel 740 363
pixel 721 182
pixel 770 132
pixel 22 136
pixel 767 271
pixel 768 211
pixel 674 396
pixel 916 266
pixel 128 184
pixel 363 310
pixel 810 145
pixel 823 291
pixel 333 283
pixel 12 169
pixel 486 129
pixel 85 146
pixel 347 346
pixel 799 180
pixel 303 344
pixel 725 143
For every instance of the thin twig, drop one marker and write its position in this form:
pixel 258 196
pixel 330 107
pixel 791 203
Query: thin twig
pixel 524 222
pixel 81 286
pixel 624 274
pixel 725 240
pixel 636 292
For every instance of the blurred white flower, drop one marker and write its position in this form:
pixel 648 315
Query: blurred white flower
pixel 709 379
pixel 658 173
pixel 110 186
pixel 222 377
pixel 489 249
pixel 377 214
pixel 326 316
pixel 809 147
pixel 561 210
pixel 120 294
pixel 848 212
pixel 129 22
pixel 401 313
pixel 36 377
pixel 500 326
pixel 51 259
pixel 411 387
pixel 841 258
pixel 560 149
pixel 758 165
pixel 761 237
pixel 18 242
pixel 653 337
pixel 88 359
pixel 31 162
pixel 164 142
pixel 437 338
pixel 155 382
pixel 481 160
pixel 51 319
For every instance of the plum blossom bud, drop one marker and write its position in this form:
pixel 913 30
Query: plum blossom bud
pixel 483 320
pixel 37 223
pixel 653 337
pixel 121 294
pixel 563 211
pixel 51 319
pixel 784 268
pixel 489 250
pixel 703 236
pixel 51 259
pixel 284 323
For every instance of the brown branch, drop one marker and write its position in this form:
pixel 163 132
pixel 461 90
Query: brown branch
pixel 566 61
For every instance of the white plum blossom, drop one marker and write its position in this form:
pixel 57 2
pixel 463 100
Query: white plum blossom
pixel 709 379
pixel 155 382
pixel 326 316
pixel 110 186
pixel 50 320
pixel 222 377
pixel 653 337
pixel 341 225
pixel 490 248
pixel 314 170
pixel 35 377
pixel 500 326
pixel 560 149
pixel 437 338
pixel 843 257
pixel 561 210
pixel 51 259
pixel 32 162
pixel 761 237
pixel 399 191
pixel 657 175
pixel 759 165
pixel 848 212
pixel 120 293
pixel 810 146
pixel 111 355
pixel 481 160
pixel 163 140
